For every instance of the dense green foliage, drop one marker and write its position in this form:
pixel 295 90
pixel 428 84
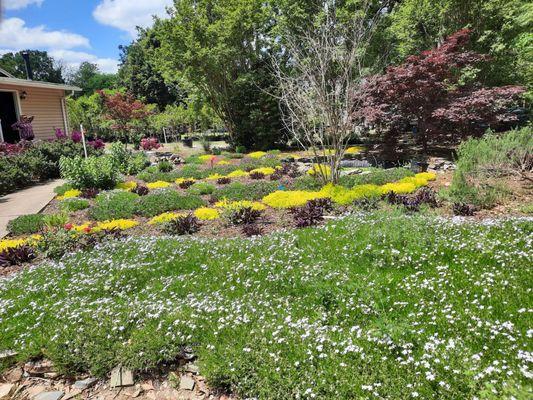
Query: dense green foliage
pixel 113 205
pixel 398 305
pixel 43 66
pixel 39 162
pixel 239 191
pixel 90 79
pixel 26 224
pixel 164 200
pixel 482 161
pixel 92 172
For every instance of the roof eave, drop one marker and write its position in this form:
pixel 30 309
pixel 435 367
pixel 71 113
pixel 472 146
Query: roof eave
pixel 38 84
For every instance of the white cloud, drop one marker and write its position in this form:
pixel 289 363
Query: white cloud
pixel 14 33
pixel 19 4
pixel 73 59
pixel 126 15
pixel 16 36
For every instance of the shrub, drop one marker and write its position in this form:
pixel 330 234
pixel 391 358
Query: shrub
pixel 55 220
pixel 252 230
pixel 71 205
pixel 92 172
pixel 166 200
pixel 224 180
pixel 464 209
pixel 184 183
pixel 309 214
pixel 240 149
pixel 202 188
pixel 240 191
pixel 55 243
pixel 242 215
pixel 150 175
pixel 126 161
pixel 16 255
pixel 483 162
pixel 182 225
pixel 89 193
pixel 256 175
pixel 113 205
pixel 26 224
pixel 165 166
pixel 141 190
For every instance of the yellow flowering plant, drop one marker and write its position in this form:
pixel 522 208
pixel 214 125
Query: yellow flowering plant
pixel 69 194
pixel 214 177
pixel 129 185
pixel 238 173
pixel 206 157
pixel 256 154
pixel 206 213
pixel 320 169
pixel 353 150
pixel 235 205
pixel 223 162
pixel 157 185
pixel 288 199
pixel 263 170
pixel 120 224
pixel 164 217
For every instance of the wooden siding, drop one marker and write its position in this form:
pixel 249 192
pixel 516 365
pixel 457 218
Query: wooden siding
pixel 44 105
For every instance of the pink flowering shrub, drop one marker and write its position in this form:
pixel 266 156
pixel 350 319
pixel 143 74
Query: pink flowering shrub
pixel 150 144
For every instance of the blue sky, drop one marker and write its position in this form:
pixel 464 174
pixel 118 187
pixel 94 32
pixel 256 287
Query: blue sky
pixel 74 31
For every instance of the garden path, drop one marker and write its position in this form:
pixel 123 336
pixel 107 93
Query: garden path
pixel 25 201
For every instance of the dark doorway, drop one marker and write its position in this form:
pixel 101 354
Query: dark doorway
pixel 8 116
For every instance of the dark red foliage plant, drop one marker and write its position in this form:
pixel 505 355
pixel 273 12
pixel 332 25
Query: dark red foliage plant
pixel 437 94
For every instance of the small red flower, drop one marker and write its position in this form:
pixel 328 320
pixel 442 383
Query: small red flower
pixel 87 229
pixel 68 226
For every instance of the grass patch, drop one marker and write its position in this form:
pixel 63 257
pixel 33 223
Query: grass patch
pixel 26 224
pixel 162 201
pixel 113 205
pixel 382 303
pixel 237 191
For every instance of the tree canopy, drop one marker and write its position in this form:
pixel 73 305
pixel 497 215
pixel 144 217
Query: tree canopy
pixel 44 67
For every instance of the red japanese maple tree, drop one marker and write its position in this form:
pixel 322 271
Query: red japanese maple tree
pixel 128 115
pixel 428 91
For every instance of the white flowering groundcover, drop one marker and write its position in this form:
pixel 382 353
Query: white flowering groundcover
pixel 375 306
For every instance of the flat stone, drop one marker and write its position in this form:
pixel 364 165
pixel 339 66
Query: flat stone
pixel 187 383
pixel 56 395
pixel 121 377
pixel 14 374
pixel 6 389
pixel 193 368
pixel 85 384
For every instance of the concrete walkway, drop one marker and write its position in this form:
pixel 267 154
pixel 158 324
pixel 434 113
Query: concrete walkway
pixel 25 201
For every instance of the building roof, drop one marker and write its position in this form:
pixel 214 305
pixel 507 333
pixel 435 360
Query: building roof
pixel 5 73
pixel 38 84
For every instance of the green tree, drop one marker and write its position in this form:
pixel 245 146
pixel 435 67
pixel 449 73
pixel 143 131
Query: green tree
pixel 90 79
pixel 139 76
pixel 223 49
pixel 44 67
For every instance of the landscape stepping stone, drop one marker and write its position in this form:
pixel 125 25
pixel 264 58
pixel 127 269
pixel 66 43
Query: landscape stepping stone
pixel 56 395
pixel 121 377
pixel 85 383
pixel 187 383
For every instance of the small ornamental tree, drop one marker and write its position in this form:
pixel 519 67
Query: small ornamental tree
pixel 436 93
pixel 128 116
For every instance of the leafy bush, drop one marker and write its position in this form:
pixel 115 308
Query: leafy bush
pixel 114 205
pixel 71 205
pixel 165 166
pixel 182 225
pixel 464 209
pixel 184 183
pixel 166 200
pixel 257 175
pixel 202 188
pixel 242 215
pixel 311 213
pixel 483 162
pixel 55 220
pixel 92 172
pixel 141 190
pixel 150 175
pixel 241 191
pixel 224 180
pixel 89 193
pixel 252 230
pixel 26 224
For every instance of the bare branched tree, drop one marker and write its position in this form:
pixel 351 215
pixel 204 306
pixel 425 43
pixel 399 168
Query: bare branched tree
pixel 321 86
